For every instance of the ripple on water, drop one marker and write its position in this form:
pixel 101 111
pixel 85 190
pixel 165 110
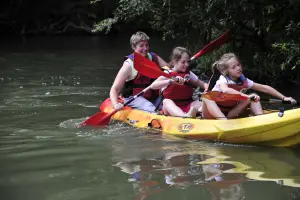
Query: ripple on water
pixel 71 123
pixel 114 129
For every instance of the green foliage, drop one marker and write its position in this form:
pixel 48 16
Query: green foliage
pixel 265 33
pixel 127 11
pixel 203 69
pixel 105 24
pixel 290 49
pixel 291 52
pixel 94 1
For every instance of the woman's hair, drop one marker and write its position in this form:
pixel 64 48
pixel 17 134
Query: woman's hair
pixel 222 64
pixel 138 37
pixel 177 54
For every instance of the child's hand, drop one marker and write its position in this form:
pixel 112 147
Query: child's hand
pixel 254 97
pixel 290 99
pixel 206 87
pixel 179 80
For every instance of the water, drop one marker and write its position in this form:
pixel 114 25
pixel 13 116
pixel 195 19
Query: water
pixel 49 85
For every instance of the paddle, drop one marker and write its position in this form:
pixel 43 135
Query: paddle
pixel 150 69
pixel 220 96
pixel 212 45
pixel 278 101
pixel 102 118
pixel 147 67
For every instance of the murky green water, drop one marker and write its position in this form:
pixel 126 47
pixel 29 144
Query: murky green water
pixel 49 85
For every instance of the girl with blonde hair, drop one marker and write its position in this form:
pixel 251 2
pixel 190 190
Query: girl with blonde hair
pixel 232 81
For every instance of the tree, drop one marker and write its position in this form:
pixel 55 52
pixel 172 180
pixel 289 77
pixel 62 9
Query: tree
pixel 266 33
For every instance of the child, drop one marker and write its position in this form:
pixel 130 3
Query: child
pixel 133 82
pixel 177 95
pixel 232 81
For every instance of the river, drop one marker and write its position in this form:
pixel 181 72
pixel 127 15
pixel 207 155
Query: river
pixel 49 85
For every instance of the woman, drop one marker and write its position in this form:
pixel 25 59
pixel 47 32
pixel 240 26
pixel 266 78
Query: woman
pixel 132 81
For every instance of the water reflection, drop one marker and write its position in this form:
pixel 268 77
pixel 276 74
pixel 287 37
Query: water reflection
pixel 180 171
pixel 277 164
pixel 220 173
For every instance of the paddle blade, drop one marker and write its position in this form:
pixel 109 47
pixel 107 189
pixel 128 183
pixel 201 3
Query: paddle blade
pixel 212 45
pixel 98 119
pixel 220 96
pixel 147 67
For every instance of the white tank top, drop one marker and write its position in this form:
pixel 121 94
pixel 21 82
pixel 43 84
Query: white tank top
pixel 134 72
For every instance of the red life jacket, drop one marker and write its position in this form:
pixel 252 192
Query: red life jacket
pixel 240 86
pixel 140 82
pixel 180 94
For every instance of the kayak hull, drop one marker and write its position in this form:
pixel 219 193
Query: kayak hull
pixel 267 129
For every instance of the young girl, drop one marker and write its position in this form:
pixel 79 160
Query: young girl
pixel 232 81
pixel 177 95
pixel 133 82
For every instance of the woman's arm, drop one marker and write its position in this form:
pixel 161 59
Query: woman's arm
pixel 123 74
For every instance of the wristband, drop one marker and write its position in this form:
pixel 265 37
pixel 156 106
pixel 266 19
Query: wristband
pixel 170 81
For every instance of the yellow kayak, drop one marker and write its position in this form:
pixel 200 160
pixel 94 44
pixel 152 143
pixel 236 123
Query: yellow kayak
pixel 267 129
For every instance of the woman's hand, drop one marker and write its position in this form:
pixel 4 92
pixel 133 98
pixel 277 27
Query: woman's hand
pixel 290 99
pixel 254 97
pixel 118 106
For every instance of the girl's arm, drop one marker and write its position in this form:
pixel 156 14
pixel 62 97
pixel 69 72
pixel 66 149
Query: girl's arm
pixel 225 89
pixel 197 82
pixel 160 82
pixel 271 91
pixel 161 62
pixel 201 84
pixel 268 90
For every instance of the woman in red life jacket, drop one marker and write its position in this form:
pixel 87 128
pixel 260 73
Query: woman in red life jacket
pixel 178 96
pixel 133 82
pixel 232 81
